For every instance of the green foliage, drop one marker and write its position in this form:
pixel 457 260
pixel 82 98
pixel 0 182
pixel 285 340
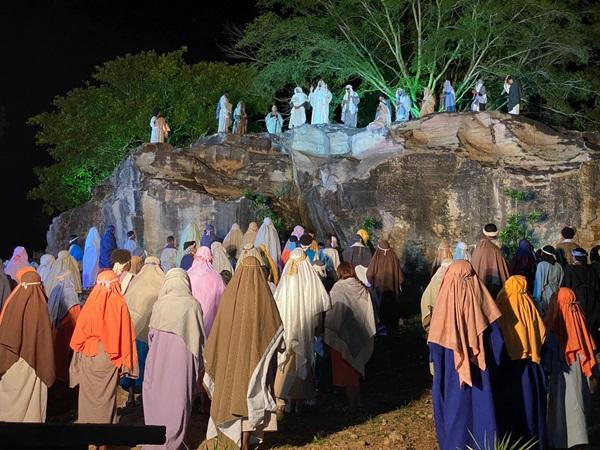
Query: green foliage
pixel 515 194
pixel 371 225
pixel 92 128
pixel 261 208
pixel 506 443
pixel 519 225
pixel 413 44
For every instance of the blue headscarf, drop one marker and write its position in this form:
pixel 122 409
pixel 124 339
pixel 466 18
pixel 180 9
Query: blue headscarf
pixel 208 237
pixel 107 245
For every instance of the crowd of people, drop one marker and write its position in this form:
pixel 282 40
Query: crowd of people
pixel 250 327
pixel 319 99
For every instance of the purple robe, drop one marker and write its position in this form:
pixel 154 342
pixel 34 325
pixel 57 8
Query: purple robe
pixel 170 384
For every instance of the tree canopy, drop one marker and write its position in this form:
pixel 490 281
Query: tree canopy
pixel 92 128
pixel 381 45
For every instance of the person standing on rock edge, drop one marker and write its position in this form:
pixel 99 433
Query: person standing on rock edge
pixel 274 121
pixel 488 261
pixel 319 100
pixel 512 89
pixel 479 97
pixel 298 112
pixel 350 107
pixel 224 114
pixel 449 97
pixel 159 126
pixel 240 119
pixel 403 105
pixel 566 246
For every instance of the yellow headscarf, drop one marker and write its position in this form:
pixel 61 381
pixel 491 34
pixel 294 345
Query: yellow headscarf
pixel 363 235
pixel 522 327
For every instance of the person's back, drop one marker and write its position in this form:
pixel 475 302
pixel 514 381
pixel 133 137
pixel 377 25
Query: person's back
pixel 582 279
pixel 489 263
pixel 565 247
pixel 168 257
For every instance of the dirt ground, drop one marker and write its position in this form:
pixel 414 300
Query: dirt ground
pixel 396 412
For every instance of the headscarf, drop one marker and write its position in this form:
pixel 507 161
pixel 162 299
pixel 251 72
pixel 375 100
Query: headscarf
pixel 443 252
pixel 267 235
pixel 348 94
pixel 565 319
pixel 300 297
pixel 177 311
pixel 522 327
pixel 20 275
pixel 208 237
pixel 64 264
pixel 19 260
pixel 250 234
pixel 107 245
pixel 460 252
pixel 237 358
pixel 207 286
pixel 136 265
pixel 141 295
pixel 62 298
pixel 91 256
pixel 5 288
pixel 25 329
pixel 489 265
pixel 191 233
pixel 45 267
pixel 272 265
pixel 233 240
pixel 448 87
pixel 298 231
pixel 364 236
pixel 384 272
pixel 464 310
pixel 220 260
pixel 105 318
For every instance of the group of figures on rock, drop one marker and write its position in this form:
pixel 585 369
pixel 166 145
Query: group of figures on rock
pixel 252 328
pixel 319 100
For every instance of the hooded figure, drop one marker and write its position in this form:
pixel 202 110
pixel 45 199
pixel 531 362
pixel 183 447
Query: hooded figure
pixel 107 245
pixel 358 254
pixel 250 234
pixel 479 97
pixel 403 105
pixel 19 260
pixel 223 114
pixel 45 267
pixel 350 103
pixel 91 259
pixel 64 265
pixel 449 97
pixel 319 100
pixel 220 261
pixel 298 113
pixel 240 119
pixel 191 233
pixel 267 235
pixel 489 263
pixel 548 278
pixel 233 241
pixel 209 236
pixel 523 263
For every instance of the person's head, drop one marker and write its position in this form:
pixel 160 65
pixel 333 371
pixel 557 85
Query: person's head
pixel 579 255
pixel 121 260
pixel 305 240
pixel 293 242
pixel 333 241
pixel 490 230
pixel 226 276
pixel 170 240
pixel 156 112
pixel 190 247
pixel 242 105
pixel 73 239
pixel 345 270
pixel 274 108
pixel 320 83
pixel 567 233
pixel 381 98
pixel 111 229
pixel 509 79
pixel 226 93
pixel 131 235
pixel 548 254
pixel 595 253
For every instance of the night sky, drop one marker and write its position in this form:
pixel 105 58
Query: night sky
pixel 50 47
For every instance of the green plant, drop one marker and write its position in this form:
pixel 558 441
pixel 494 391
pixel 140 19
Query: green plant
pixel 506 443
pixel 370 225
pixel 518 225
pixel 261 209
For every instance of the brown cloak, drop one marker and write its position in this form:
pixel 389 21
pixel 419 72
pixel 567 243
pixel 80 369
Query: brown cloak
pixel 490 266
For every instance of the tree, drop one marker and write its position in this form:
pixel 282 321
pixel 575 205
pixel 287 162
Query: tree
pixel 92 128
pixel 414 44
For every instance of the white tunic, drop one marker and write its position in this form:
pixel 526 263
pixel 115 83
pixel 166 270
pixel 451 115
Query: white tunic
pixel 319 100
pixel 298 113
pixel 224 114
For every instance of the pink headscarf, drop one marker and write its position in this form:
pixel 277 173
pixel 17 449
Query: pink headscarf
pixel 19 260
pixel 207 286
pixel 298 231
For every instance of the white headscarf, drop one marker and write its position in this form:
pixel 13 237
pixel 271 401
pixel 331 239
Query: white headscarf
pixel 191 233
pixel 349 104
pixel 300 297
pixel 220 261
pixel 299 97
pixel 448 86
pixel 91 256
pixel 267 235
pixel 65 266
pixel 43 270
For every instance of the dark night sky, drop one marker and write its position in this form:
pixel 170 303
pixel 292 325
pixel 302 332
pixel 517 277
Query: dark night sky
pixel 51 46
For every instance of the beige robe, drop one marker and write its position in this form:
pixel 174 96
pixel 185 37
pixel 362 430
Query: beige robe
pixel 23 395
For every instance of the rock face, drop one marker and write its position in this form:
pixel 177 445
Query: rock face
pixel 441 177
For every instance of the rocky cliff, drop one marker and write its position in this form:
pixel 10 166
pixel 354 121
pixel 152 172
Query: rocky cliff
pixel 439 177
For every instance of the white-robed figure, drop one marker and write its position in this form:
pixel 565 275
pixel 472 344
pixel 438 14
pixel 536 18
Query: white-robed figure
pixel 224 114
pixel 350 107
pixel 274 121
pixel 319 100
pixel 298 113
pixel 479 97
pixel 403 105
pixel 160 128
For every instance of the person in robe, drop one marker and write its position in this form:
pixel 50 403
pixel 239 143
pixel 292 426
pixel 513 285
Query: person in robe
pixel 209 236
pixel 267 235
pixel 104 346
pixel 461 251
pixel 140 297
pixel 224 114
pixel 520 380
pixel 168 256
pixel 465 344
pixel 240 119
pixel 64 308
pixel 332 251
pixel 403 105
pixel 429 297
pixel 75 249
pixel 581 278
pixel 121 260
pixel 159 126
pixel 479 97
pixel 107 245
pixel 319 99
pixel 207 286
pixel 26 352
pixel 191 233
pixel 45 267
pixel 385 277
pixel 250 234
pixel 242 405
pixel 358 254
pixel 5 287
pixel 570 360
pixel 428 102
pixel 566 246
pixel 19 259
pixel 300 298
pixel 449 97
pixel 137 264
pixel 292 243
pixel 64 266
pixel 488 261
pixel 298 111
pixel 132 246
pixel 548 278
pixel 91 259
pixel 443 252
pixel 250 250
pixel 595 259
pixel 175 361
pixel 190 248
pixel 381 118
pixel 524 263
pixel 220 260
pixel 233 241
pixel 350 103
pixel 512 90
pixel 274 121
pixel 349 332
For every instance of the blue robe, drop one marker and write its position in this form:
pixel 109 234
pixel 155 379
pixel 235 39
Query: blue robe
pixel 449 101
pixel 107 245
pixel 142 352
pixel 186 262
pixel 76 252
pixel 460 412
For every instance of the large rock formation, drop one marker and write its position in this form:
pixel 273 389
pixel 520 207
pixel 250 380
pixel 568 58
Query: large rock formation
pixel 441 177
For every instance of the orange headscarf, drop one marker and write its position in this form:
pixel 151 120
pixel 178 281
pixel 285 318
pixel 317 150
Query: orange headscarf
pixel 565 319
pixel 464 310
pixel 19 276
pixel 105 318
pixel 522 326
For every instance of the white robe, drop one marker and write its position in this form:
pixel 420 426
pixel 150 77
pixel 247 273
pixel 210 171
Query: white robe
pixel 319 100
pixel 274 123
pixel 157 136
pixel 91 256
pixel 224 114
pixel 350 109
pixel 298 113
pixel 267 235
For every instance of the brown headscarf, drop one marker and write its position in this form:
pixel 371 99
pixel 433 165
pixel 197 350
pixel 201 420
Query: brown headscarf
pixel 136 265
pixel 384 271
pixel 19 276
pixel 463 311
pixel 245 334
pixel 490 266
pixel 25 331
